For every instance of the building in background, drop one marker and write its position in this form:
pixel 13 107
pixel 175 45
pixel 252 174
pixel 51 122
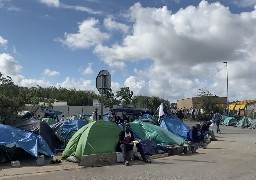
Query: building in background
pixel 194 103
pixel 243 108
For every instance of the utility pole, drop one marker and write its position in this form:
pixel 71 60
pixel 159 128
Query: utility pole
pixel 227 87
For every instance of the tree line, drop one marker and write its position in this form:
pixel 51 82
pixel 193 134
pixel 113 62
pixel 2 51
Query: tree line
pixel 13 98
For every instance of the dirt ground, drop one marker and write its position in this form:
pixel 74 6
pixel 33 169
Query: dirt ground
pixel 232 157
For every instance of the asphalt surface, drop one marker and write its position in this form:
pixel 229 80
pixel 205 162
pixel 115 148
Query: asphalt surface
pixel 232 157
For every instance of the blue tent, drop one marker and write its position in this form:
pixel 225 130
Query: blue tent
pixel 67 128
pixel 30 142
pixel 176 126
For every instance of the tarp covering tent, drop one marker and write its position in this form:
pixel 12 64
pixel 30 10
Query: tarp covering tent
pixel 94 138
pixel 30 124
pixel 240 107
pixel 16 138
pixel 48 135
pixel 147 131
pixel 229 121
pixel 65 129
pixel 40 128
pixel 176 126
pixel 244 122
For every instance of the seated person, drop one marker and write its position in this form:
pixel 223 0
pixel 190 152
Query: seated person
pixel 205 130
pixel 126 142
pixel 195 136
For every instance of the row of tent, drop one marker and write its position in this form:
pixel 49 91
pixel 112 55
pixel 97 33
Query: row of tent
pixel 103 136
pixel 78 137
pixel 245 122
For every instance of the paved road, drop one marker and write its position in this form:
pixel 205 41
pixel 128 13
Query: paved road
pixel 232 157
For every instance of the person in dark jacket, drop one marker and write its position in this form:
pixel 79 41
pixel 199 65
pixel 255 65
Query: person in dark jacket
pixel 126 140
pixel 205 130
pixel 217 118
pixel 195 136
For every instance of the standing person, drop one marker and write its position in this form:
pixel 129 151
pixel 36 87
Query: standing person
pixel 217 119
pixel 96 114
pixel 126 140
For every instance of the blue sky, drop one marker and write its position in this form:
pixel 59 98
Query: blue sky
pixel 165 48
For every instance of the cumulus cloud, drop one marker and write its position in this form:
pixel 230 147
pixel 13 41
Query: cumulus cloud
pixel 48 72
pixel 54 3
pixel 88 70
pixel 88 35
pixel 9 66
pixel 113 25
pixel 186 48
pixel 115 86
pixel 81 84
pixel 3 42
pixel 138 86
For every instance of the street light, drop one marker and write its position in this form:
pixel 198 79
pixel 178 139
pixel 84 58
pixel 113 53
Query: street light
pixel 227 87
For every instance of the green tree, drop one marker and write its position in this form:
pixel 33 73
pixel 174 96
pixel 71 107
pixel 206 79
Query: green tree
pixel 141 101
pixel 12 99
pixel 109 99
pixel 124 95
pixel 208 102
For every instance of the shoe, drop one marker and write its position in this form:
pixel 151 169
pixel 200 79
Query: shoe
pixel 147 161
pixel 126 163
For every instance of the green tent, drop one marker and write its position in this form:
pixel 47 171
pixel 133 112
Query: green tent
pixel 230 121
pixel 157 134
pixel 94 138
pixel 49 121
pixel 244 122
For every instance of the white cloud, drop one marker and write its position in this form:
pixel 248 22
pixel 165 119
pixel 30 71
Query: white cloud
pixel 58 4
pixel 3 42
pixel 54 3
pixel 81 84
pixel 245 3
pixel 24 82
pixel 80 8
pixel 113 25
pixel 88 35
pixel 9 66
pixel 115 86
pixel 136 85
pixel 185 52
pixel 88 70
pixel 48 72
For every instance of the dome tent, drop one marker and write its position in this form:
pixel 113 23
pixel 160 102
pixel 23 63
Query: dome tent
pixel 229 121
pixel 176 126
pixel 244 122
pixel 94 138
pixel 147 131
